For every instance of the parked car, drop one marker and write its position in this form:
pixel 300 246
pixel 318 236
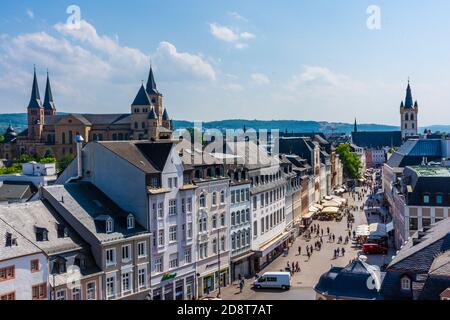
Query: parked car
pixel 373 248
pixel 280 280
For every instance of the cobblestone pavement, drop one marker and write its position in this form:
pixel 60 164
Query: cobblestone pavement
pixel 311 269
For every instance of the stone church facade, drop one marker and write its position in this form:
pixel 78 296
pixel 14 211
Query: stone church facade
pixel 49 133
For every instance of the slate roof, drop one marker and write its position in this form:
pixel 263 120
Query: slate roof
pixel 419 258
pixel 35 99
pixel 16 191
pixel 300 146
pixel 151 83
pixel 413 151
pixel 408 99
pixel 165 115
pixel 48 99
pixel 377 139
pixel 141 98
pixel 88 205
pixel 348 282
pixel 25 217
pixel 427 179
pixel 24 246
pixel 149 157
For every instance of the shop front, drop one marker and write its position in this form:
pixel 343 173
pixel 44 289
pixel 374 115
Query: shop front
pixel 173 287
pixel 242 265
pixel 272 249
pixel 209 283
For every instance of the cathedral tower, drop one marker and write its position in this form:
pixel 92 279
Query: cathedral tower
pixel 35 112
pixel 408 114
pixel 49 105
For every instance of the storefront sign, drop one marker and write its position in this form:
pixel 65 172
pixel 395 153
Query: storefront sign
pixel 168 276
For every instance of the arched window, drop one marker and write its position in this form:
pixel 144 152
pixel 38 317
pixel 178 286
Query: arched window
pixel 233 241
pixel 255 228
pixel 406 126
pixel 405 283
pixel 214 198
pixel 238 217
pixel 412 116
pixel 202 201
pixel 222 196
pixel 130 221
pixel 233 219
pixel 222 219
pixel 63 138
pixel 406 117
pixel 70 137
pixel 214 221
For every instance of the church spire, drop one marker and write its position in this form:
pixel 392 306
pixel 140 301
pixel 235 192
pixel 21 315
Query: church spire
pixel 48 99
pixel 151 84
pixel 408 100
pixel 355 129
pixel 35 100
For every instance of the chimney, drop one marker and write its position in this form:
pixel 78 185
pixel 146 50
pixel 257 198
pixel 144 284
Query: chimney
pixel 79 140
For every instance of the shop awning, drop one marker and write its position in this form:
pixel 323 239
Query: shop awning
pixel 331 203
pixel 270 245
pixel 309 215
pixel 362 230
pixel 313 209
pixel 330 210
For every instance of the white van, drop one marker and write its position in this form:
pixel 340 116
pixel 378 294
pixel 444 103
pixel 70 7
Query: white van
pixel 280 280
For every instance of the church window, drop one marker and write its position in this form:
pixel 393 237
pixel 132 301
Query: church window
pixel 412 116
pixel 406 126
pixel 70 137
pixel 406 117
pixel 63 138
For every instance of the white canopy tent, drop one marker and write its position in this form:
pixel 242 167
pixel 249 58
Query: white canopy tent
pixel 330 210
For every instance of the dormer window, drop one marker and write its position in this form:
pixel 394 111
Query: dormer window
pixel 41 234
pixel 63 231
pixel 109 225
pixel 130 221
pixel 405 283
pixel 10 240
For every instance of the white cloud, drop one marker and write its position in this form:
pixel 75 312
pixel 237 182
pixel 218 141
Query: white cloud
pixel 178 65
pixel 314 75
pixel 227 34
pixel 30 13
pixel 90 72
pixel 260 78
pixel 223 33
pixel 247 35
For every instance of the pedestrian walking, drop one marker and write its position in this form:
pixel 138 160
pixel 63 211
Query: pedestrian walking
pixel 334 237
pixel 241 286
pixel 343 251
pixel 328 230
pixel 297 268
pixel 299 250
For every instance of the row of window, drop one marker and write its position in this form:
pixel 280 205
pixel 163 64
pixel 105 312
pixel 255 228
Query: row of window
pixel 203 247
pixel 240 217
pixel 263 179
pixel 203 222
pixel 240 239
pixel 126 253
pixel 268 198
pixel 173 261
pixel 158 208
pixel 238 196
pixel 126 282
pixel 214 199
pixel 173 234
pixel 439 199
pixel 269 222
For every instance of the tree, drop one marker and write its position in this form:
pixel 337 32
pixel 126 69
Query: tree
pixel 2 138
pixel 64 162
pixel 350 161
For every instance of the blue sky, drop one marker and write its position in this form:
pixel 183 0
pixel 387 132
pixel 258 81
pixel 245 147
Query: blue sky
pixel 306 60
